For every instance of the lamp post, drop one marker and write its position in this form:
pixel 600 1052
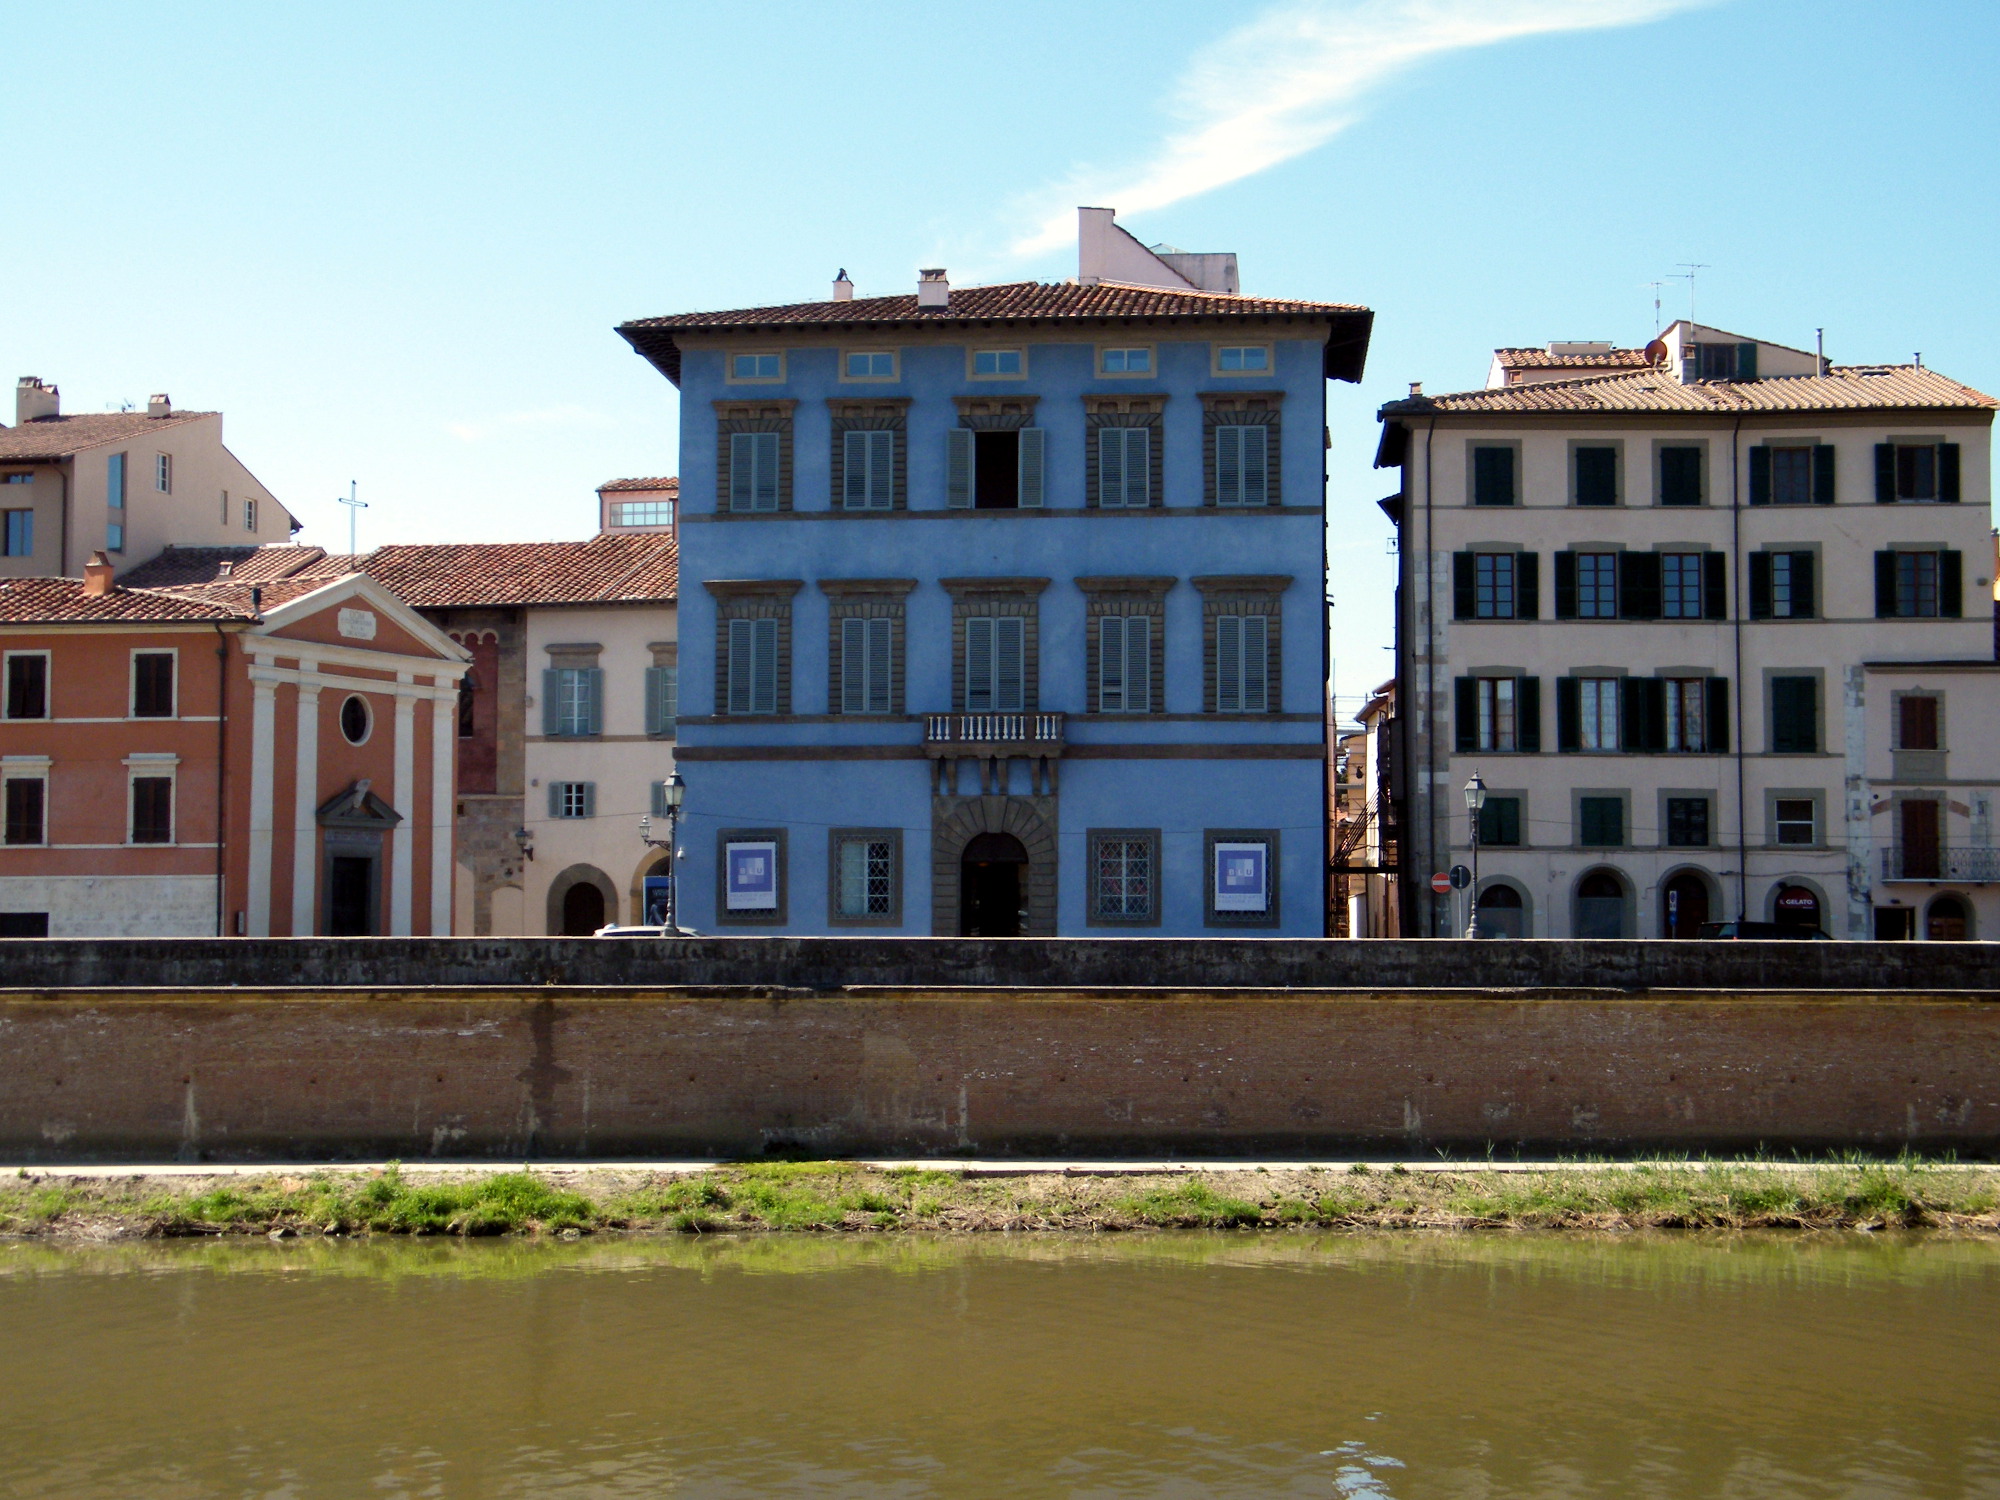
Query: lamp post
pixel 1475 798
pixel 673 792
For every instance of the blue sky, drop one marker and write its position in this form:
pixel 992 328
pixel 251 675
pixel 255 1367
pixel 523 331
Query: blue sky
pixel 390 242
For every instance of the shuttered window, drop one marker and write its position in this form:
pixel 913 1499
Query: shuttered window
pixel 866 875
pixel 868 461
pixel 1794 715
pixel 1781 586
pixel 1596 476
pixel 1680 585
pixel 1241 664
pixel 1602 821
pixel 1597 713
pixel 1597 585
pixel 995 663
pixel 753 666
pixel 1916 472
pixel 1242 474
pixel 27 800
pixel 1500 822
pixel 572 701
pixel 152 684
pixel 152 809
pixel 865 665
pixel 753 471
pixel 1124 664
pixel 1124 467
pixel 1492 476
pixel 572 799
pixel 663 699
pixel 1680 476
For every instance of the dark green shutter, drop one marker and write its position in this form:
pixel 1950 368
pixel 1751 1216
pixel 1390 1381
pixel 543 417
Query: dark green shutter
pixel 1638 585
pixel 1714 587
pixel 1885 585
pixel 1466 713
pixel 1948 473
pixel 551 702
pixel 1760 476
pixel 1794 715
pixel 1636 718
pixel 1885 473
pixel 1746 361
pixel 1680 476
pixel 1528 713
pixel 1527 587
pixel 1715 714
pixel 1654 691
pixel 1464 596
pixel 1822 471
pixel 1805 603
pixel 1596 476
pixel 1569 714
pixel 1951 585
pixel 593 688
pixel 1565 585
pixel 1760 585
pixel 1492 476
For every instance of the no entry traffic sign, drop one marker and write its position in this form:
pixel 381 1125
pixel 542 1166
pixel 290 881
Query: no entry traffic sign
pixel 1441 882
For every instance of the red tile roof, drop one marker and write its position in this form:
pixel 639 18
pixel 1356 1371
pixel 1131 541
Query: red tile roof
pixel 1012 302
pixel 1541 359
pixel 1844 388
pixel 59 437
pixel 669 484
pixel 615 568
pixel 62 601
pixel 181 566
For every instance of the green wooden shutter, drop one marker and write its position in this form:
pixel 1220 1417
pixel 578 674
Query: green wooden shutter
pixel 1527 586
pixel 590 799
pixel 1760 476
pixel 979 665
pixel 1138 665
pixel 1465 713
pixel 1256 664
pixel 1714 587
pixel 593 700
pixel 1885 473
pixel 1464 590
pixel 853 665
pixel 555 799
pixel 1010 665
pixel 1111 664
pixel 1110 467
pixel 1631 713
pixel 1805 601
pixel 882 470
pixel 1746 361
pixel 741 652
pixel 958 468
pixel 1596 476
pixel 879 642
pixel 1638 585
pixel 1948 473
pixel 1885 585
pixel 1032 448
pixel 1951 585
pixel 1229 664
pixel 1760 585
pixel 742 471
pixel 1256 465
pixel 1715 714
pixel 656 713
pixel 1565 585
pixel 764 667
pixel 551 702
pixel 1822 473
pixel 1528 713
pixel 1569 714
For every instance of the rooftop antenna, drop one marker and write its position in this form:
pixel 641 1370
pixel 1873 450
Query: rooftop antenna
pixel 1690 268
pixel 354 509
pixel 1655 285
pixel 1819 349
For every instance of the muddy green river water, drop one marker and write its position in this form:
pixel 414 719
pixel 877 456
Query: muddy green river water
pixel 1159 1365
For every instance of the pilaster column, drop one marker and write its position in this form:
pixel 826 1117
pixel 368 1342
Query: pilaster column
pixel 263 741
pixel 444 744
pixel 305 806
pixel 402 842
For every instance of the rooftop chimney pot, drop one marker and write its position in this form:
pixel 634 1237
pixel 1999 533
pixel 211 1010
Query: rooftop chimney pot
pixel 34 399
pixel 843 289
pixel 932 289
pixel 1416 387
pixel 97 576
pixel 157 405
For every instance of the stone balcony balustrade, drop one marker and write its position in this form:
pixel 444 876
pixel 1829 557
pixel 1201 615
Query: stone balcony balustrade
pixel 992 740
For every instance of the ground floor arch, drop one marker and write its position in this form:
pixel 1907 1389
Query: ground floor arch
pixel 581 899
pixel 1505 909
pixel 1602 902
pixel 983 835
pixel 1948 919
pixel 1797 902
pixel 1688 898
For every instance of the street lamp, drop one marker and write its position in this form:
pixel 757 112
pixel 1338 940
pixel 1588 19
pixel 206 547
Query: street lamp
pixel 673 792
pixel 1475 798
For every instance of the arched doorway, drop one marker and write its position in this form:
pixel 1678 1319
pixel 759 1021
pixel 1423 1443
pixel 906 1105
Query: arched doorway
pixel 992 886
pixel 1796 906
pixel 1683 905
pixel 1600 906
pixel 1948 920
pixel 582 910
pixel 1502 913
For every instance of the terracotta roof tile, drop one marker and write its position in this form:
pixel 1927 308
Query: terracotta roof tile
pixel 1017 301
pixel 617 567
pixel 181 566
pixel 59 437
pixel 669 484
pixel 49 601
pixel 1541 359
pixel 1844 388
pixel 235 595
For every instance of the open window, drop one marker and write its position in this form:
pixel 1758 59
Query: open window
pixel 994 469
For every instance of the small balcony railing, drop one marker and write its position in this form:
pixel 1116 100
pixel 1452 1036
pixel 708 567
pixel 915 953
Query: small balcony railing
pixel 993 734
pixel 1953 866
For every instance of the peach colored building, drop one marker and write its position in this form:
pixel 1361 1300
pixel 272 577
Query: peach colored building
pixel 233 758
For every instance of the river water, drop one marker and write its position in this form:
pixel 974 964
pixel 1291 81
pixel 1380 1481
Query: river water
pixel 895 1366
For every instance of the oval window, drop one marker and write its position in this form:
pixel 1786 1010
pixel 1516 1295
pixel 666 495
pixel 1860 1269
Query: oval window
pixel 355 719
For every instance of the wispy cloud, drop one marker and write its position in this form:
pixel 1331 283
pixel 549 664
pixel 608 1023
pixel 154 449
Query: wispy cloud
pixel 1294 78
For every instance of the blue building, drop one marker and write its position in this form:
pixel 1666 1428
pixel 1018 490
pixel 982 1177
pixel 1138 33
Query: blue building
pixel 1002 608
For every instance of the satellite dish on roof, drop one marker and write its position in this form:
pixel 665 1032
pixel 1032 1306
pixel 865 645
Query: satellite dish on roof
pixel 1656 352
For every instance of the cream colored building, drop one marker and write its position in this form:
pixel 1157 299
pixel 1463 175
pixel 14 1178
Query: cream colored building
pixel 1672 619
pixel 126 483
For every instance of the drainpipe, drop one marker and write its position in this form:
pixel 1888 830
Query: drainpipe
pixel 1742 719
pixel 1430 676
pixel 62 563
pixel 221 786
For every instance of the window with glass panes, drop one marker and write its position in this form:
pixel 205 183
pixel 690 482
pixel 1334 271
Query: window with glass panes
pixel 866 877
pixel 575 699
pixel 1597 585
pixel 1493 585
pixel 995 664
pixel 152 809
pixel 1597 712
pixel 1687 822
pixel 1791 585
pixel 1687 701
pixel 1680 585
pixel 1791 476
pixel 1125 467
pixel 1794 819
pixel 1917 584
pixel 1241 664
pixel 20 534
pixel 1122 884
pixel 1124 664
pixel 1498 725
pixel 866 658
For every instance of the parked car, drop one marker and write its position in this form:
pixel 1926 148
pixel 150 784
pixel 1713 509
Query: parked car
pixel 1762 930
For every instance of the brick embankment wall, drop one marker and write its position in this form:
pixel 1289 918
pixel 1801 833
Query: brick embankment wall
pixel 232 1073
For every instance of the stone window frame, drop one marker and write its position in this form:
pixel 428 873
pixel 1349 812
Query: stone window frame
pixel 1520 796
pixel 1656 474
pixel 1709 795
pixel 1245 594
pixel 1150 412
pixel 750 414
pixel 1620 486
pixel 730 377
pixel 868 414
pixel 1619 794
pixel 778 916
pixel 666 656
pixel 1816 795
pixel 1244 409
pixel 1273 867
pixel 1009 597
pixel 1126 596
pixel 1905 763
pixel 1519 497
pixel 835 837
pixel 868 598
pixel 1091 916
pixel 1769 707
pixel 753 599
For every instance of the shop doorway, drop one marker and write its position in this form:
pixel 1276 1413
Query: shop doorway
pixel 1947 921
pixel 582 910
pixel 1796 906
pixel 1683 906
pixel 1600 906
pixel 350 895
pixel 1502 913
pixel 993 895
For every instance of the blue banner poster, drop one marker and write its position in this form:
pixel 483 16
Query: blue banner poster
pixel 1242 877
pixel 753 876
pixel 658 894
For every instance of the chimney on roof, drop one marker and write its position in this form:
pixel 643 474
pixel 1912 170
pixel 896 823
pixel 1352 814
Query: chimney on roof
pixel 932 289
pixel 97 576
pixel 1416 387
pixel 157 405
pixel 843 289
pixel 33 400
